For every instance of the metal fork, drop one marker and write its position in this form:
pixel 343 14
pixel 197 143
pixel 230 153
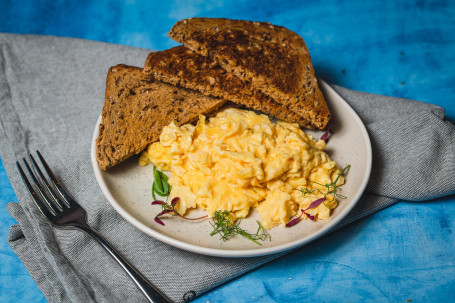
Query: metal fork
pixel 62 210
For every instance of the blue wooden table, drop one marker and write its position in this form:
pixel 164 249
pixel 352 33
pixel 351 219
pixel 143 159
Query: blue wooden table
pixel 399 48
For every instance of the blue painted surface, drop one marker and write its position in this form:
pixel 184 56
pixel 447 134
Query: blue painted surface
pixel 399 48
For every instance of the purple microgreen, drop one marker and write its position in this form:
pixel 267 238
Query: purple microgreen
pixel 325 136
pixel 157 220
pixel 186 218
pixel 330 188
pixel 165 212
pixel 157 217
pixel 315 203
pixel 309 216
pixel 158 202
pixel 295 220
pixel 174 201
pixel 170 208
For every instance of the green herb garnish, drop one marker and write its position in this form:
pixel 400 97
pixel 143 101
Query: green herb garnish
pixel 223 226
pixel 331 188
pixel 160 185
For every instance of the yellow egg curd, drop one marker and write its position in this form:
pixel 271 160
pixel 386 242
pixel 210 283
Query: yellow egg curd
pixel 240 160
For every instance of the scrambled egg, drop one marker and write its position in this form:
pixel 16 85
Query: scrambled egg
pixel 239 160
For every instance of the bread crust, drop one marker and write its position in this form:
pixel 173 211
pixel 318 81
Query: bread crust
pixel 274 59
pixel 136 109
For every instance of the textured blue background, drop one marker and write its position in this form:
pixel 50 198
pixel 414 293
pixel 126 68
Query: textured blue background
pixel 398 48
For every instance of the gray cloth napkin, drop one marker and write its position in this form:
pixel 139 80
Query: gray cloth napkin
pixel 51 94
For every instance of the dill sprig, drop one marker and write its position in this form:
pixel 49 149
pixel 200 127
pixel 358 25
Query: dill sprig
pixel 223 226
pixel 331 188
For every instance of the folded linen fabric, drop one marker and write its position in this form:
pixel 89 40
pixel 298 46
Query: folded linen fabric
pixel 51 94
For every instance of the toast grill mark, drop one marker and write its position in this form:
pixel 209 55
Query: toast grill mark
pixel 275 60
pixel 196 72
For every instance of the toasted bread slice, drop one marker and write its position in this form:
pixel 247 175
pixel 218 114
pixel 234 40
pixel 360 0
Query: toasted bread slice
pixel 274 59
pixel 136 109
pixel 183 67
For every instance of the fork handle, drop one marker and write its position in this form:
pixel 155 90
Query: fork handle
pixel 151 292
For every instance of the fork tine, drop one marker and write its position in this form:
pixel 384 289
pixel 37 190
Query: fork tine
pixel 61 190
pixel 32 192
pixel 40 188
pixel 56 200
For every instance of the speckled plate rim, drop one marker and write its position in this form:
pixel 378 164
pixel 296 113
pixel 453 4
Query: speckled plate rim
pixel 234 253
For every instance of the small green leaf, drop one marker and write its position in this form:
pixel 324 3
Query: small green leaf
pixel 153 193
pixel 160 185
pixel 158 180
pixel 163 176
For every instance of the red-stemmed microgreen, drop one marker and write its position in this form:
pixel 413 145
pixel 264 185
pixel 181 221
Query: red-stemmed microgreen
pixel 325 136
pixel 313 204
pixel 331 188
pixel 222 224
pixel 169 208
pixel 157 217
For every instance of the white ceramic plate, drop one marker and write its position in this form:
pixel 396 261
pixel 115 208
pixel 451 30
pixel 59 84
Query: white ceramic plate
pixel 127 187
